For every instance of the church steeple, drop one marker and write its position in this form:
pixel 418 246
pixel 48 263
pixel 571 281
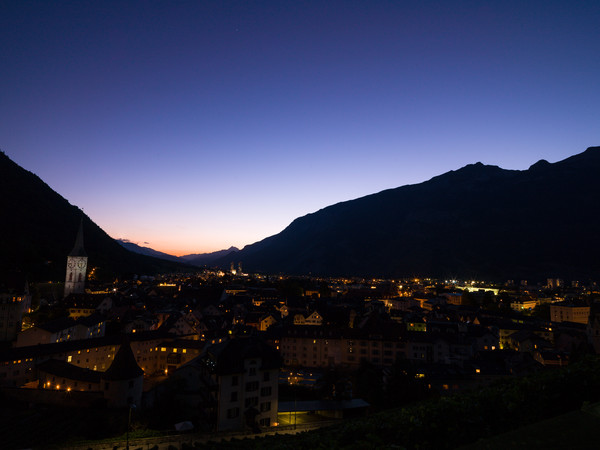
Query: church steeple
pixel 76 266
pixel 78 249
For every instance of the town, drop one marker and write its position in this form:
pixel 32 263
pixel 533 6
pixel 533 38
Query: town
pixel 222 351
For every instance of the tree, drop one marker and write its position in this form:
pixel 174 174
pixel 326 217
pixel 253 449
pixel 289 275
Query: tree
pixel 403 386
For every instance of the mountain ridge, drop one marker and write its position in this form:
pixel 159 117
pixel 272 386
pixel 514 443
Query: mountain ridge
pixel 135 248
pixel 479 221
pixel 440 227
pixel 40 230
pixel 195 259
pixel 204 259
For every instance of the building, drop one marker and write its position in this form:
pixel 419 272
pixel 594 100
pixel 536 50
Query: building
pixel 554 283
pixel 313 318
pixel 153 350
pixel 62 329
pixel 524 304
pixel 120 385
pixel 318 347
pixel 76 266
pixel 569 312
pixel 57 330
pixel 240 381
pixel 11 315
pixel 83 305
pixel 266 321
pixel 453 298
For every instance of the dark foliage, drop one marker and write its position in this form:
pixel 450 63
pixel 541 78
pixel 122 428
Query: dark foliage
pixel 450 422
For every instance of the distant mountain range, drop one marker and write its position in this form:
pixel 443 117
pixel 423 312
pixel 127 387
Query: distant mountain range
pixel 476 222
pixel 196 259
pixel 146 250
pixel 38 230
pixel 206 259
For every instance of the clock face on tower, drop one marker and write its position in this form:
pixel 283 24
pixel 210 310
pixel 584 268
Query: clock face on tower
pixel 70 264
pixel 81 264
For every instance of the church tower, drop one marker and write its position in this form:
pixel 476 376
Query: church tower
pixel 76 266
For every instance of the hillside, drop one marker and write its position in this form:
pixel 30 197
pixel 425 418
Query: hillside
pixel 39 228
pixel 476 222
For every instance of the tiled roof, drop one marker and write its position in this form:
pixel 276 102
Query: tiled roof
pixel 230 355
pixel 124 366
pixel 34 351
pixel 65 370
pixel 57 325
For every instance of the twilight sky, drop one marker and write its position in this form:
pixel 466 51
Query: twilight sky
pixel 190 126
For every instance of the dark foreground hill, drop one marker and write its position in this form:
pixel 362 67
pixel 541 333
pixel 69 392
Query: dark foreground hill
pixel 561 402
pixel 478 221
pixel 38 230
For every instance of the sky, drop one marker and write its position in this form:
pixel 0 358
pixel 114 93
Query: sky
pixel 192 126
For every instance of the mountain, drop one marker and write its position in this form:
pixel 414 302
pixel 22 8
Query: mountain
pixel 146 250
pixel 205 259
pixel 38 231
pixel 195 259
pixel 476 222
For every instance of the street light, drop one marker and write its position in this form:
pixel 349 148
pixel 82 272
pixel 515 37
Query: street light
pixel 131 406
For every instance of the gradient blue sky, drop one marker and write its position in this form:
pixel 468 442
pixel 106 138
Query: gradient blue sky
pixel 190 126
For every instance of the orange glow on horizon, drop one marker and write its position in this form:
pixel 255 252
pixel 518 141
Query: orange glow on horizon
pixel 178 251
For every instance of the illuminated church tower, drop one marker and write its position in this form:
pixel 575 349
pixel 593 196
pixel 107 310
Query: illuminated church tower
pixel 76 266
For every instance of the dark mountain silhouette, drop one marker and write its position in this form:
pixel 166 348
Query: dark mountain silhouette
pixel 146 251
pixel 195 259
pixel 38 231
pixel 206 259
pixel 476 222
